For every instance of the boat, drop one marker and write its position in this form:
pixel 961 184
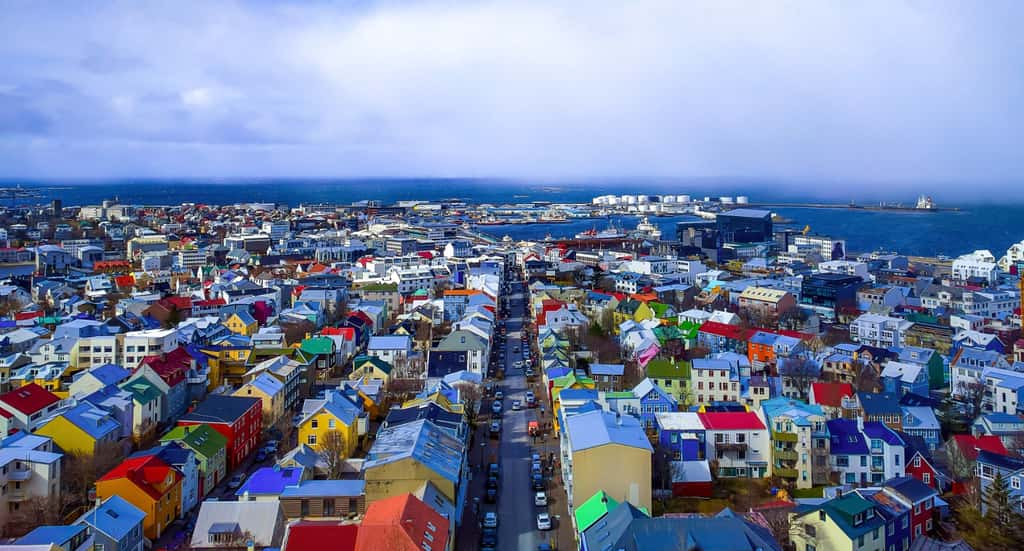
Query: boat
pixel 646 228
pixel 925 202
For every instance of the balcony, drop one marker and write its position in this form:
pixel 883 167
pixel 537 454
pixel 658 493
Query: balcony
pixel 17 495
pixel 19 475
pixel 731 446
pixel 784 436
pixel 785 473
pixel 878 468
pixel 786 455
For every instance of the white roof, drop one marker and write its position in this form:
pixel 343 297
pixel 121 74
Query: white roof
pixel 262 519
pixel 678 420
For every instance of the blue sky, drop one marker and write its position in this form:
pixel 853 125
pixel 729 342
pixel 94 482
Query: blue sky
pixel 886 91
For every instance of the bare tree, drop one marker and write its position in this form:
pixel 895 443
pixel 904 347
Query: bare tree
pixel 799 373
pixel 959 466
pixel 81 470
pixel 333 452
pixel 471 396
pixel 972 394
pixel 39 511
pixel 867 379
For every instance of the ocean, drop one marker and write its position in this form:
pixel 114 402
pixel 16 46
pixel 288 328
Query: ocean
pixel 993 226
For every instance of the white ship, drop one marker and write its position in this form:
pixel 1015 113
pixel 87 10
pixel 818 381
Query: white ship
pixel 925 202
pixel 648 229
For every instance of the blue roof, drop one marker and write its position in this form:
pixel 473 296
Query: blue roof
pixel 599 428
pixel 267 383
pixel 326 488
pixel 109 374
pixel 880 431
pixel 762 337
pixel 607 369
pixel 114 517
pixel 270 481
pixel 1003 418
pixel 845 439
pixel 340 406
pixel 422 441
pixel 885 403
pixel 573 394
pixel 92 420
pixel 50 534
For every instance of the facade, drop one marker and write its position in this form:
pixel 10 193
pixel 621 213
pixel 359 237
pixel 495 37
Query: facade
pixel 739 442
pixel 239 419
pixel 151 485
pixel 879 331
pixel 799 441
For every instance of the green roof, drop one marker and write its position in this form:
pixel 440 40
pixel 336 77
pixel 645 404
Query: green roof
pixel 659 308
pixel 619 394
pixel 317 345
pixel 593 509
pixel 142 390
pixel 380 364
pixel 203 439
pixel 380 287
pixel 664 369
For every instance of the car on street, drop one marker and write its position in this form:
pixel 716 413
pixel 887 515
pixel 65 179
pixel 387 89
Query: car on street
pixel 540 499
pixel 270 447
pixel 489 538
pixel 236 481
pixel 493 469
pixel 491 495
pixel 495 429
pixel 535 467
pixel 529 372
pixel 531 400
pixel 537 482
pixel 490 519
pixel 543 521
pixel 496 407
pixel 499 395
pixel 517 405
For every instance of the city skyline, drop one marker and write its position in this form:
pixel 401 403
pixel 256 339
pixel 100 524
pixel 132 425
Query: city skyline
pixel 890 93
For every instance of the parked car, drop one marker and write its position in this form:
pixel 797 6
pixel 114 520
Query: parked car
pixel 499 395
pixel 535 467
pixel 529 372
pixel 537 482
pixel 271 446
pixel 236 481
pixel 493 469
pixel 495 429
pixel 491 495
pixel 490 519
pixel 540 499
pixel 488 538
pixel 492 482
pixel 543 521
pixel 516 405
pixel 496 407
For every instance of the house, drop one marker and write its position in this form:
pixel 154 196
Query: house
pixel 371 367
pixel 879 331
pixel 210 448
pixel 116 525
pixel 592 511
pixel 846 523
pixel 920 464
pixel 392 349
pixel 921 421
pixel 627 528
pixel 151 485
pixel 607 376
pixel 93 379
pixel 738 441
pixel 64 538
pixel 402 522
pixel 169 372
pixel 336 414
pixel 406 456
pixel 900 378
pixel 681 433
pixel 229 524
pixel 241 322
pixel 1004 390
pixel 324 353
pixel 321 535
pixel 883 407
pixel 652 401
pixel 320 499
pixel 917 496
pixel 799 441
pixel 267 483
pixel 473 350
pixel 864 452
pixel 26 408
pixel 672 377
pixel 720 337
pixel 147 402
pixel 82 428
pixel 833 398
pixel 238 418
pixel 30 468
pixel 766 301
pixel 714 380
pixel 596 443
pixel 932 360
pixel 270 391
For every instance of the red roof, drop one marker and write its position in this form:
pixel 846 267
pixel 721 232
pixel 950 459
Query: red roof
pixel 725 330
pixel 731 420
pixel 400 522
pixel 349 333
pixel 148 472
pixel 831 394
pixel 22 316
pixel 425 254
pixel 171 367
pixel 310 535
pixel 969 445
pixel 361 315
pixel 29 399
pixel 177 302
pixel 124 281
pixel 210 302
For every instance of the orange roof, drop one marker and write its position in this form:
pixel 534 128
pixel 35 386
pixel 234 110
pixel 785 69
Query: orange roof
pixel 644 297
pixel 461 292
pixel 401 522
pixel 148 472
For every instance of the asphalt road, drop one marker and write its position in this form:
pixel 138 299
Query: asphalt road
pixel 517 514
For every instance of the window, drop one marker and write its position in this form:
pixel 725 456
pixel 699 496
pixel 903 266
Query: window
pixel 311 440
pixel 330 424
pixel 890 529
pixel 928 525
pixel 926 478
pixel 917 509
pixel 1015 483
pixel 860 541
pixel 314 424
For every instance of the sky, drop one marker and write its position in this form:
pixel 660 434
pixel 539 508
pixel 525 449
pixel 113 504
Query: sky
pixel 879 94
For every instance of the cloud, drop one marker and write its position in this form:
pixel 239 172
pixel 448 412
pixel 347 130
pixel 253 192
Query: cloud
pixel 830 92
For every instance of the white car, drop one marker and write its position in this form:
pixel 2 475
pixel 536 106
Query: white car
pixel 543 521
pixel 540 499
pixel 491 520
pixel 516 405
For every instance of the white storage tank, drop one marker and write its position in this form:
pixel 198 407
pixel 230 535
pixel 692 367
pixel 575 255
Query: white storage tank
pixel 742 200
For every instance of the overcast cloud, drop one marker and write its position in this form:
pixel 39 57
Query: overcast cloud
pixel 806 91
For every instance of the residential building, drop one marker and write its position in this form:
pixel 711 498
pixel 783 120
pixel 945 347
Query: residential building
pixel 846 523
pixel 739 442
pixel 210 448
pixel 238 418
pixel 879 331
pixel 151 485
pixel 223 524
pixel 402 523
pixel 116 525
pixel 337 414
pixel 799 441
